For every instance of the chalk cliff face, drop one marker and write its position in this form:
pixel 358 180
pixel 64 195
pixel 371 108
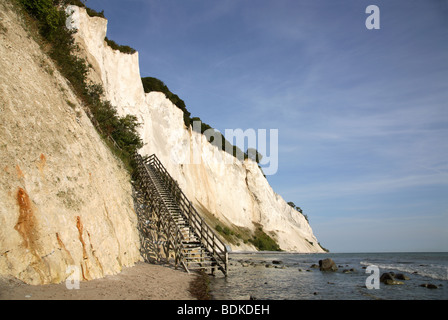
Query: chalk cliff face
pixel 232 191
pixel 65 200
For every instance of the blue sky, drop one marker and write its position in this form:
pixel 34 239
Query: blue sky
pixel 362 114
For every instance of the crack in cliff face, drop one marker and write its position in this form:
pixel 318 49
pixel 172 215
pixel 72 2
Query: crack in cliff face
pixel 112 228
pixel 253 196
pixel 94 255
pixel 85 273
pixel 84 267
pixel 62 247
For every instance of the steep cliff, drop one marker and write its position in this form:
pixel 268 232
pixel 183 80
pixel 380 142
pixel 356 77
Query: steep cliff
pixel 230 191
pixel 65 200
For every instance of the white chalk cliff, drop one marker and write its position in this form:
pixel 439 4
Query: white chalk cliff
pixel 237 194
pixel 65 201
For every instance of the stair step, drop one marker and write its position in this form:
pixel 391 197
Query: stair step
pixel 202 256
pixel 158 183
pixel 191 246
pixel 198 257
pixel 193 253
pixel 203 265
pixel 188 249
pixel 197 243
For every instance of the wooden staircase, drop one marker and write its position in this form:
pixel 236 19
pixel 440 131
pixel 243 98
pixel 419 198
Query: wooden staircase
pixel 169 224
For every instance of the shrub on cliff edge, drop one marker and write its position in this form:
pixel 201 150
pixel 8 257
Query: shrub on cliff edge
pixel 121 48
pixel 154 84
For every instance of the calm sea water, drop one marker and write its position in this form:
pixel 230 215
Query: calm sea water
pixel 292 278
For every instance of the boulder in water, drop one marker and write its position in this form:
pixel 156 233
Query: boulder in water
pixel 387 276
pixel 393 282
pixel 429 285
pixel 327 265
pixel 401 276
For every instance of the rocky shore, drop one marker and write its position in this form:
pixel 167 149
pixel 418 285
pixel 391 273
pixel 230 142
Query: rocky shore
pixel 334 276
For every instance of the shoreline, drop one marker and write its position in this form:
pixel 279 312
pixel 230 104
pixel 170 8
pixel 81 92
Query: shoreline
pixel 288 276
pixel 143 281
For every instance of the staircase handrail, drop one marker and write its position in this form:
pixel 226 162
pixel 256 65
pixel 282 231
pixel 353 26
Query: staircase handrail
pixel 208 237
pixel 171 222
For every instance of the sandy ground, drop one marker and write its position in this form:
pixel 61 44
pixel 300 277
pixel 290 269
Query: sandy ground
pixel 141 282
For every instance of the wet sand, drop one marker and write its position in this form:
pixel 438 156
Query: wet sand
pixel 141 282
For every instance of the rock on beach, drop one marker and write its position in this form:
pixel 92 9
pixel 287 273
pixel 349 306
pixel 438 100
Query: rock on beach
pixel 327 265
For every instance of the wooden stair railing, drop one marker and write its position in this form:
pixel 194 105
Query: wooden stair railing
pixel 194 244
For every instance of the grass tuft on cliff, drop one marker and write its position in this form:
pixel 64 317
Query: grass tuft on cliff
pixel 263 242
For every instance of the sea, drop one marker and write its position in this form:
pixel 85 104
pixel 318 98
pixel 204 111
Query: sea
pixel 289 276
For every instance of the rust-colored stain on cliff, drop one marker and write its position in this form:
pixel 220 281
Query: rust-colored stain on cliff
pixel 85 273
pixel 19 172
pixel 41 164
pixel 62 247
pixel 26 224
pixel 94 255
pixel 80 230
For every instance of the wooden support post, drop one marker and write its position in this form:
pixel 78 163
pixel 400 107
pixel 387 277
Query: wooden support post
pixel 163 198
